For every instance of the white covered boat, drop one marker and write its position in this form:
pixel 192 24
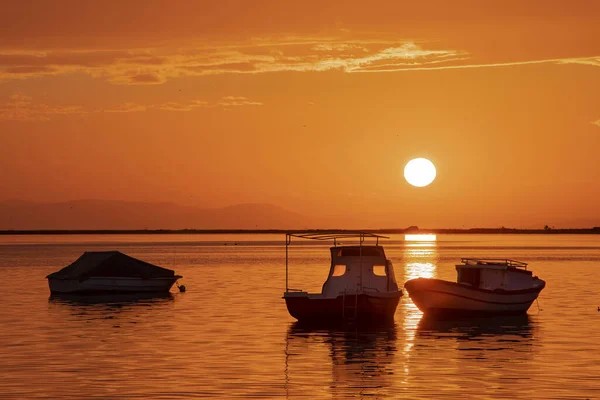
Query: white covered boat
pixel 111 272
pixel 487 286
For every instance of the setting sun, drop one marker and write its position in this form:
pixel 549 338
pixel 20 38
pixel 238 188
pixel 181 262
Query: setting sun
pixel 419 172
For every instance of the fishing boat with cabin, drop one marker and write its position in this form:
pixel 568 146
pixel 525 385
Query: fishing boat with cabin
pixel 360 286
pixel 484 286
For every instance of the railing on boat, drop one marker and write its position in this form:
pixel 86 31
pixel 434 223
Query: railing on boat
pixel 334 235
pixel 494 261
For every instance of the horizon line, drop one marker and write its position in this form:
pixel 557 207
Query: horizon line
pixel 503 230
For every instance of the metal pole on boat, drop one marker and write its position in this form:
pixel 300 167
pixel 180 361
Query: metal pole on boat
pixel 362 238
pixel 288 240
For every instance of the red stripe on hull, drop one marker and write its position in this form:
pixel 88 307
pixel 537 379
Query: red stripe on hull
pixel 481 300
pixel 446 313
pixel 354 308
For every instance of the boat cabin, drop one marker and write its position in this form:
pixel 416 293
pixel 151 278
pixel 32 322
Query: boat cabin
pixel 359 268
pixel 494 274
pixel 354 269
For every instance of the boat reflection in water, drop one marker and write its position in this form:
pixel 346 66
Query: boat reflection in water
pixel 121 299
pixel 347 361
pixel 126 307
pixel 490 355
pixel 505 329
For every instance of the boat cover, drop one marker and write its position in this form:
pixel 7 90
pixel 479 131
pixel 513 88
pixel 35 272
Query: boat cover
pixel 108 264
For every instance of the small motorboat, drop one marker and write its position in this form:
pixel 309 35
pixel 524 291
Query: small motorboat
pixel 360 287
pixel 111 272
pixel 484 286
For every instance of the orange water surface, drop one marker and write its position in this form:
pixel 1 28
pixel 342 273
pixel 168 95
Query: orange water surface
pixel 230 336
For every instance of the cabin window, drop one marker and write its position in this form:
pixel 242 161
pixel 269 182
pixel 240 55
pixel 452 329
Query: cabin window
pixel 338 270
pixel 471 276
pixel 379 270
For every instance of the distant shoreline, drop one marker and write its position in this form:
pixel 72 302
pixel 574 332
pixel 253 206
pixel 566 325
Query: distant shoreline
pixel 578 231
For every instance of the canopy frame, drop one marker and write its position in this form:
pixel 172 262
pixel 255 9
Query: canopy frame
pixel 325 236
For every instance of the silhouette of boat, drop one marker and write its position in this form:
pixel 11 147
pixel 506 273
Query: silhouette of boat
pixel 111 272
pixel 487 286
pixel 360 287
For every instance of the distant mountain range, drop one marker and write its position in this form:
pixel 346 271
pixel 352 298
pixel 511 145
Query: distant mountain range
pixel 109 214
pixel 128 215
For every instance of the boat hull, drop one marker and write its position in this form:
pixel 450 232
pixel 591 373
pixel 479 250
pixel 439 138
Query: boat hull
pixel 99 285
pixel 348 308
pixel 438 297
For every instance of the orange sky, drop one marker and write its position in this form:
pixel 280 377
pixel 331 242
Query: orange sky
pixel 314 106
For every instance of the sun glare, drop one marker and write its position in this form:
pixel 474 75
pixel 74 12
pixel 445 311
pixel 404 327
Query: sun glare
pixel 420 237
pixel 419 172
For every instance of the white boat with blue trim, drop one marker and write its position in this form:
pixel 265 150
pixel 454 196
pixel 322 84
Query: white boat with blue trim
pixel 484 286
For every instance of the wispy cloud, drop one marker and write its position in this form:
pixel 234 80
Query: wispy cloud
pixel 125 108
pixel 237 101
pixel 156 66
pixel 143 67
pixel 596 122
pixel 174 106
pixel 593 61
pixel 388 68
pixel 22 108
pixel 226 101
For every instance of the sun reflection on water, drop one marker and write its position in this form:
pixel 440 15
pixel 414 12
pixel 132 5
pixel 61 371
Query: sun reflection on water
pixel 420 258
pixel 419 270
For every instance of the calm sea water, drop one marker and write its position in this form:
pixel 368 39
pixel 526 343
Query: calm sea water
pixel 229 335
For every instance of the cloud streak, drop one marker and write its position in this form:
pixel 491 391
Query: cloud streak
pixel 144 67
pixel 21 108
pixel 593 61
pixel 156 66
